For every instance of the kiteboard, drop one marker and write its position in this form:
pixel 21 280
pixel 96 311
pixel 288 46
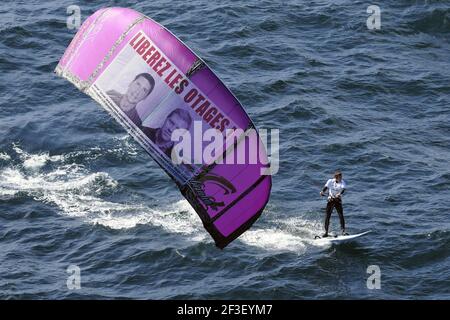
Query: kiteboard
pixel 337 239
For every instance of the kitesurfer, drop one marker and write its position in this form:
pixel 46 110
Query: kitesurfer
pixel 336 188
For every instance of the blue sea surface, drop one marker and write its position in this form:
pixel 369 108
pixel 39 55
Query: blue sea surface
pixel 75 189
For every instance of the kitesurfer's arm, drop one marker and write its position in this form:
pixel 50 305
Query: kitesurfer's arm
pixel 344 185
pixel 325 187
pixel 340 193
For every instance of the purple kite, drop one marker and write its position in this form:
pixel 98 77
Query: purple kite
pixel 178 110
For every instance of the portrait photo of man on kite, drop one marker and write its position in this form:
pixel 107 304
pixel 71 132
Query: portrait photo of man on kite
pixel 138 89
pixel 176 119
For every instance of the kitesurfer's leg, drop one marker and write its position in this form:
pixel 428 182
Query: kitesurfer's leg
pixel 328 211
pixel 340 212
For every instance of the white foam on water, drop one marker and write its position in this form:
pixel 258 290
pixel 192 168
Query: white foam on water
pixel 274 240
pixel 76 192
pixel 4 156
pixel 123 216
pixel 291 234
pixel 38 161
pixel 35 161
pixel 63 181
pixel 124 147
pixel 128 145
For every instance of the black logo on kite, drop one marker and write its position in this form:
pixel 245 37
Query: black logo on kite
pixel 209 201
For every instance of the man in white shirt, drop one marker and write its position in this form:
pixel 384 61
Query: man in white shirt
pixel 336 187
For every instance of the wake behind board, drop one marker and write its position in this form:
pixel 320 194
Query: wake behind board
pixel 340 239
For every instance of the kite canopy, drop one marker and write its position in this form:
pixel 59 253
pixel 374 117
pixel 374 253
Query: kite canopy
pixel 152 84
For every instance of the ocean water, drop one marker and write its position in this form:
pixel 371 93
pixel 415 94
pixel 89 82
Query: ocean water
pixel 76 190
